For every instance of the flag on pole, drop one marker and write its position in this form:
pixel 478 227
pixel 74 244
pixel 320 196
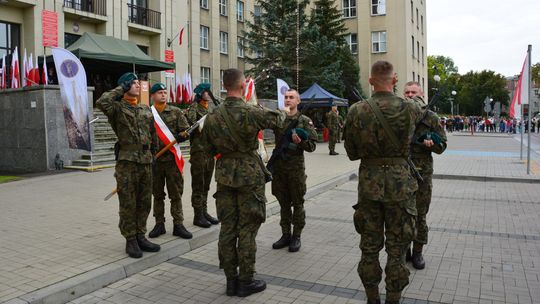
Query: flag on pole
pixel 521 91
pixel 44 76
pixel 181 35
pixel 251 98
pixel 35 75
pixel 166 137
pixel 3 82
pixel 282 88
pixel 250 87
pixel 25 68
pixel 178 90
pixel 15 73
pixel 30 71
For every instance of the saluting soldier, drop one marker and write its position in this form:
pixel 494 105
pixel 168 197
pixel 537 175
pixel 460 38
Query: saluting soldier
pixel 166 169
pixel 379 132
pixel 289 173
pixel 231 130
pixel 429 136
pixel 202 163
pixel 332 123
pixel 133 124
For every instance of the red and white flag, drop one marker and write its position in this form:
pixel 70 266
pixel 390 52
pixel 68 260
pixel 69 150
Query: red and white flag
pixel 166 137
pixel 25 68
pixel 3 76
pixel 178 90
pixel 30 71
pixel 181 36
pixel 250 87
pixel 15 73
pixel 521 92
pixel 44 76
pixel 251 98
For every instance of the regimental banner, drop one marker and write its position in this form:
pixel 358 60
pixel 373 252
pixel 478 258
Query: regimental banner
pixel 72 81
pixel 282 88
pixel 169 57
pixel 49 21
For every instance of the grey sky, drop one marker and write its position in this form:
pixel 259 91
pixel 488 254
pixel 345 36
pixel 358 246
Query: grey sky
pixel 484 34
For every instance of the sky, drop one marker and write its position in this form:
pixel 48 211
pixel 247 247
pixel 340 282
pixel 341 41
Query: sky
pixel 484 34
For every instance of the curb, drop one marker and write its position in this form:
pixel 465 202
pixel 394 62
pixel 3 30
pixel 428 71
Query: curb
pixel 487 178
pixel 88 282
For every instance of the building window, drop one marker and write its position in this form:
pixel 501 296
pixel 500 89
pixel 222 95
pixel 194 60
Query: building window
pixel 413 76
pixel 378 7
pixel 223 42
pixel 418 78
pixel 257 11
pixel 205 75
pixel 412 11
pixel 259 54
pixel 352 41
pixel 349 8
pixel 378 42
pixel 412 44
pixel 423 82
pixel 205 32
pixel 417 20
pixel 240 47
pixel 70 39
pixel 223 7
pixel 204 4
pixel 240 11
pixel 422 23
pixel 418 51
pixel 9 40
pixel 423 55
pixel 221 87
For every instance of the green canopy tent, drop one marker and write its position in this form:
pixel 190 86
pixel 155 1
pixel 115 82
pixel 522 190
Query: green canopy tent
pixel 104 54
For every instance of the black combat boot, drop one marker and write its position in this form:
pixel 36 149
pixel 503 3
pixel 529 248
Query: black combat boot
pixel 408 255
pixel 392 297
pixel 250 287
pixel 295 244
pixel 418 260
pixel 232 286
pixel 212 220
pixel 158 230
pixel 146 245
pixel 283 242
pixel 181 231
pixel 373 296
pixel 333 153
pixel 200 220
pixel 132 249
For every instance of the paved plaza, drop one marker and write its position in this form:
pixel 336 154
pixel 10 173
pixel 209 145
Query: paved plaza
pixel 61 241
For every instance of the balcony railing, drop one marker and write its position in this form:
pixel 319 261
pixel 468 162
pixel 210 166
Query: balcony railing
pixel 144 16
pixel 98 7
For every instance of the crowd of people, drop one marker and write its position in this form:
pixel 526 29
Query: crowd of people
pixel 488 124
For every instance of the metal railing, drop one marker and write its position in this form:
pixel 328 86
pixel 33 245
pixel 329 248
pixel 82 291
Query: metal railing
pixel 144 16
pixel 98 7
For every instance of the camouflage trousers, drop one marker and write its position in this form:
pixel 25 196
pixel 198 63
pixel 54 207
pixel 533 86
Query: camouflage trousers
pixel 134 184
pixel 241 212
pixel 202 168
pixel 390 225
pixel 167 172
pixel 332 138
pixel 423 198
pixel 289 187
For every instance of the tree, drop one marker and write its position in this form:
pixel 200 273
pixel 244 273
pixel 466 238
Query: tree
pixel 535 74
pixel 474 87
pixel 271 41
pixel 445 68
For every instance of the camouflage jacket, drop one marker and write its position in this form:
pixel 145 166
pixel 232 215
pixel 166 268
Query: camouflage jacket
pixel 133 125
pixel 365 139
pixel 295 153
pixel 431 123
pixel 332 120
pixel 196 112
pixel 176 122
pixel 238 165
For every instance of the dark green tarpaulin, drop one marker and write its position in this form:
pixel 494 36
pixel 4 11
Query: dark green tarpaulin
pixel 102 54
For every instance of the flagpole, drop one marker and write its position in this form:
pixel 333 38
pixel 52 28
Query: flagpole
pixel 529 50
pixel 521 127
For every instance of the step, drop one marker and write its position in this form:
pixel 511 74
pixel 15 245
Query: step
pixel 99 155
pixel 104 137
pixel 86 162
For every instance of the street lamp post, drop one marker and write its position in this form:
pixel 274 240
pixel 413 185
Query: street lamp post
pixel 452 102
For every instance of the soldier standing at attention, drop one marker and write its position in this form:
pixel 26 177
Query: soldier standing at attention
pixel 332 123
pixel 429 136
pixel 166 170
pixel 231 129
pixel 289 178
pixel 386 210
pixel 133 124
pixel 202 163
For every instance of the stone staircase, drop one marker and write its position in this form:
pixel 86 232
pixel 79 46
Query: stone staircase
pixel 104 139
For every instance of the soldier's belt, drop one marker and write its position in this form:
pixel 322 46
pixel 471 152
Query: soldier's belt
pixel 236 154
pixel 134 147
pixel 384 161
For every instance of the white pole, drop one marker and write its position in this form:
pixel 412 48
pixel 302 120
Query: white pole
pixel 529 50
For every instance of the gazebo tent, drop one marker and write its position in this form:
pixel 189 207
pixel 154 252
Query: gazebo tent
pixel 104 54
pixel 317 97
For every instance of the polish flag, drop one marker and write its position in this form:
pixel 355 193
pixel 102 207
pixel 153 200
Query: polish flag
pixel 30 71
pixel 44 75
pixel 521 92
pixel 181 36
pixel 171 93
pixel 251 98
pixel 15 73
pixel 250 87
pixel 166 137
pixel 3 76
pixel 178 90
pixel 25 68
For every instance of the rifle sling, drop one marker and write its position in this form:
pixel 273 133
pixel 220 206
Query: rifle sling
pixel 391 135
pixel 233 128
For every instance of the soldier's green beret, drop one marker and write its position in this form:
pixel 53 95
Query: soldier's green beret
pixel 434 136
pixel 202 87
pixel 127 78
pixel 303 134
pixel 157 87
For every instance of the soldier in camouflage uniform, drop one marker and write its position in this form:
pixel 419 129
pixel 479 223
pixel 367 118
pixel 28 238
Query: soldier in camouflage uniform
pixel 166 170
pixel 133 124
pixel 231 130
pixel 386 210
pixel 332 123
pixel 289 174
pixel 429 136
pixel 202 163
